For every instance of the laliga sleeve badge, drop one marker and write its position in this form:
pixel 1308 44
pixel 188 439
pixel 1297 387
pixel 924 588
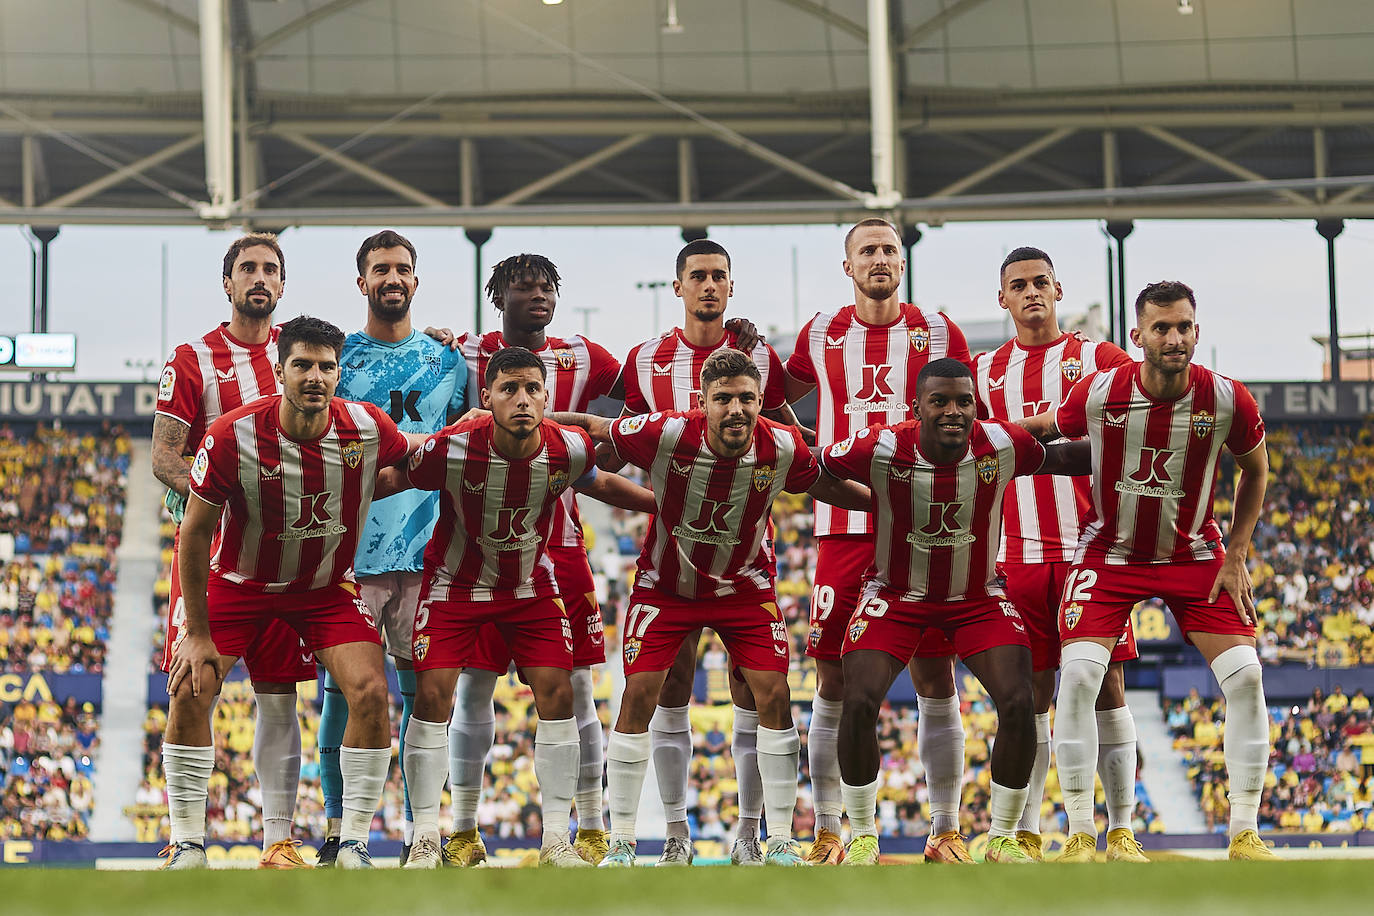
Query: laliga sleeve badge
pixel 200 467
pixel 167 384
pixel 631 425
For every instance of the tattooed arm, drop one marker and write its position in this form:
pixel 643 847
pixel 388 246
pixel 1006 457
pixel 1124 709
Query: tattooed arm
pixel 169 446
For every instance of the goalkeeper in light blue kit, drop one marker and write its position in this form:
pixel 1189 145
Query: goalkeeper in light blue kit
pixel 423 386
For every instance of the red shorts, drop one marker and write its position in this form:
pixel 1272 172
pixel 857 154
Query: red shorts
pixel 578 591
pixel 276 656
pixel 842 562
pixel 535 629
pixel 1035 589
pixel 1098 598
pixel 751 627
pixel 324 617
pixel 887 622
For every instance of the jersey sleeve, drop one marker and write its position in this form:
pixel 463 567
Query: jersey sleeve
pixel 805 470
pixel 775 392
pixel 1108 356
pixel 635 401
pixel 604 371
pixel 458 403
pixel 636 438
pixel 984 408
pixel 1072 415
pixel 393 445
pixel 1247 426
pixel 799 364
pixel 958 344
pixel 852 458
pixel 214 471
pixel 1030 454
pixel 180 388
pixel 428 468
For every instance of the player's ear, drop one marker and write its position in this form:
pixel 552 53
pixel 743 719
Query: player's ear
pixel 486 397
pixel 281 375
pixel 362 286
pixel 1002 300
pixel 498 300
pixel 1135 336
pixel 848 270
pixel 701 400
pixel 1058 292
pixel 229 288
pixel 677 288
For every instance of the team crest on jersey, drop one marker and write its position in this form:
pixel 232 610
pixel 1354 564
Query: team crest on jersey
pixel 1072 614
pixel 1203 424
pixel 420 647
pixel 631 649
pixel 167 384
pixel 856 628
pixel 1072 369
pixel 352 453
pixel 987 468
pixel 200 467
pixel 558 481
pixel 631 425
pixel 920 339
pixel 565 358
pixel 763 477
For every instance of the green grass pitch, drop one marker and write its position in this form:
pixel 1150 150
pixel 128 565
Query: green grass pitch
pixel 1171 888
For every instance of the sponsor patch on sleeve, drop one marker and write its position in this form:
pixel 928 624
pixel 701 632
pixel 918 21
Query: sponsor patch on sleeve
pixel 200 467
pixel 168 382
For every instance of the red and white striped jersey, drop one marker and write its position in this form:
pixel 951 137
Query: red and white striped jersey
pixel 495 512
pixel 213 375
pixel 293 511
pixel 710 536
pixel 1155 462
pixel 937 526
pixel 1041 515
pixel 865 375
pixel 579 372
pixel 665 373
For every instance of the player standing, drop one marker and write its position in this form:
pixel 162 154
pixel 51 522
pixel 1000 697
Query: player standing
pixel 1157 428
pixel 1041 516
pixel 500 478
pixel 707 562
pixel 937 486
pixel 279 489
pixel 864 360
pixel 231 366
pixel 525 289
pixel 422 385
pixel 664 374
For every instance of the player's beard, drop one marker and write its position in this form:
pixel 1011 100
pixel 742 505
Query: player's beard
pixel 708 311
pixel 250 309
pixel 879 288
pixel 1156 359
pixel 384 310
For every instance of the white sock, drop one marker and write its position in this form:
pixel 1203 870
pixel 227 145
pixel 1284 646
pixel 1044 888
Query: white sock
pixel 1005 808
pixel 823 755
pixel 187 769
pixel 556 749
pixel 670 732
pixel 1040 770
pixel 364 776
pixel 471 732
pixel 1116 759
pixel 1246 742
pixel 940 745
pixel 627 760
pixel 591 757
pixel 779 752
pixel 426 743
pixel 1083 665
pixel 861 804
pixel 277 760
pixel 745 749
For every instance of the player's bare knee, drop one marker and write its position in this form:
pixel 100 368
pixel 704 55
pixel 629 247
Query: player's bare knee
pixel 553 697
pixel 774 701
pixel 1015 704
pixel 1112 695
pixel 367 699
pixel 933 677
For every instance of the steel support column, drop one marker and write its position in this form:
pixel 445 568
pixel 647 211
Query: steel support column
pixel 1329 229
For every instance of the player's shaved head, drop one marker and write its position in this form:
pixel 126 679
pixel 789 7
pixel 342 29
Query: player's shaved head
pixel 870 221
pixel 948 367
pixel 513 359
pixel 699 246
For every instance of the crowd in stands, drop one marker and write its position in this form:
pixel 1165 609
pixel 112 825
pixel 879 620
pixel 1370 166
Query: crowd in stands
pixel 1321 768
pixel 62 495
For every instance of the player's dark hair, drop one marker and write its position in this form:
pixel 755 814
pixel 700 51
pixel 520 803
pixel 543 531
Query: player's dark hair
pixel 387 238
pixel 253 240
pixel 869 221
pixel 517 267
pixel 700 246
pixel 512 359
pixel 1026 253
pixel 948 367
pixel 313 332
pixel 1164 292
pixel 728 363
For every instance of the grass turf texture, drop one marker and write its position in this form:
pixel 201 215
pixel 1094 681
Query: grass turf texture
pixel 1181 887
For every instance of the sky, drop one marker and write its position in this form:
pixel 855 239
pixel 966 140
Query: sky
pixel 1261 286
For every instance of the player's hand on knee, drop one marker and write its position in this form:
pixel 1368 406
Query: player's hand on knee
pixel 1234 579
pixel 190 657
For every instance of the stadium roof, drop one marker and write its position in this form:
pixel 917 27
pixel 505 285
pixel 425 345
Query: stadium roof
pixel 514 112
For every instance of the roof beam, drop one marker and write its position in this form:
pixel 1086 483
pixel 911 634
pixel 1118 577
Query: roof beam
pixel 934 23
pixel 380 157
pixel 1190 164
pixel 157 9
pixel 272 39
pixel 997 166
pixel 348 163
pixel 830 17
pixel 1214 159
pixel 577 167
pixel 34 168
pixel 120 175
pixel 562 158
pixel 767 175
pixel 1030 166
